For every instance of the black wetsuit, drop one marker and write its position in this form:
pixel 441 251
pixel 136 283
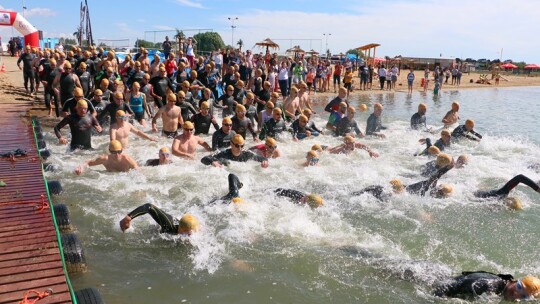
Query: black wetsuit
pixel 439 144
pixel 67 85
pixel 49 94
pixel 152 162
pixel 220 140
pixel 186 110
pixel 160 85
pixel 272 128
pixel 429 168
pixel 135 76
pixel 229 102
pixel 505 190
pixel 251 113
pixel 28 71
pixel 418 122
pixel 374 125
pixel 71 104
pixel 419 188
pixel 472 284
pixel 222 156
pixel 234 186
pixel 81 130
pixel 86 83
pixel 241 126
pixel 295 195
pixel 333 105
pixel 461 131
pixel 345 126
pixel 111 109
pixel 263 95
pixel 239 95
pixel 167 223
pixel 202 123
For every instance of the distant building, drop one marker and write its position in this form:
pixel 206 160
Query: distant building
pixel 48 43
pixel 419 63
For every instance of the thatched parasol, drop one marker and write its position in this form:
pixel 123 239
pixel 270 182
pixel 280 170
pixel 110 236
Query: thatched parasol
pixel 312 52
pixel 268 43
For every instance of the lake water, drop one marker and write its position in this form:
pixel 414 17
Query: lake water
pixel 352 250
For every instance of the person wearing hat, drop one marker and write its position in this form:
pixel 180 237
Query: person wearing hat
pixel 301 130
pixel 462 161
pixel 239 92
pixel 241 124
pixel 187 224
pixel 80 123
pixel 472 284
pixel 163 159
pixel 86 80
pixel 204 119
pixel 171 114
pixel 186 108
pixel 181 75
pixel 47 80
pixel 374 122
pixel 312 158
pixel 441 143
pixel 311 124
pixel 185 144
pixel 153 69
pixel 335 104
pixel 38 57
pixel 70 104
pixel 221 139
pixel 466 131
pixel 305 100
pixel 27 59
pixel 114 78
pixel 98 102
pixel 273 127
pixel 451 116
pixel 418 120
pixel 347 125
pixel 234 153
pixel 312 200
pixel 420 188
pixel 161 84
pixel 145 61
pixel 442 160
pixel 65 82
pixel 115 161
pixel 227 101
pixel 117 104
pixel 194 81
pixel 336 116
pixel 135 75
pixel 263 96
pixel 120 131
pixel 349 145
pixel 138 103
pixel 251 109
pixel 268 149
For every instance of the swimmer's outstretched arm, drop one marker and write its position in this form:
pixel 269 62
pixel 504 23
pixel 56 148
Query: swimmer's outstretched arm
pixel 95 162
pixel 295 195
pixel 164 220
pixel 515 181
pixel 141 134
pixel 365 147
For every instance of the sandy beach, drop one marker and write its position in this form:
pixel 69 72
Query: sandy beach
pixel 12 85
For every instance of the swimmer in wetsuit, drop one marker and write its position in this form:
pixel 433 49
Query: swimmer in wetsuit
pixel 470 285
pixel 312 200
pixel 418 120
pixel 81 124
pixel 164 158
pixel 234 191
pixel 187 224
pixel 234 153
pixel 505 190
pixel 420 188
pixel 441 143
pixel 443 160
pixel 466 131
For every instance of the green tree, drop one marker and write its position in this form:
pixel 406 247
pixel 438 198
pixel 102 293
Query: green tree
pixel 179 38
pixel 143 43
pixel 359 54
pixel 240 44
pixel 209 41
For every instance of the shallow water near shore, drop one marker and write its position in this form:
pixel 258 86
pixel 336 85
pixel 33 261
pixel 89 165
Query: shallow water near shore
pixel 354 249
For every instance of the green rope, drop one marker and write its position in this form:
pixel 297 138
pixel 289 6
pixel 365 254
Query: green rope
pixel 68 281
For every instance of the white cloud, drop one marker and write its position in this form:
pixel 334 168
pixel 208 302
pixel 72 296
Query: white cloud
pixel 190 3
pixel 39 11
pixel 164 27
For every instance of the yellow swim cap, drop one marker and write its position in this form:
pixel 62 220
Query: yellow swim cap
pixel 469 124
pixel 455 106
pixel 115 145
pixel 67 65
pixel 162 69
pixel 443 160
pixel 343 104
pixel 171 97
pixel 312 154
pixel 120 113
pixel 532 285
pixel 303 118
pixel 187 125
pixel 397 186
pixel 230 88
pixel 185 84
pixel 237 200
pixel 513 203
pixel 295 90
pixel 250 95
pixel 118 94
pixel 240 83
pixel 104 82
pixel 270 142
pixel 433 150
pixel 136 85
pixel 78 92
pixel 348 139
pixel 82 65
pixel 188 224
pixel 351 110
pixel 317 148
pixel 181 94
pixel 238 139
pixel 193 73
pixel 240 108
pixel 269 105
pixel 98 92
pixel 314 200
pixel 378 106
pixel 422 106
pixel 277 111
pixel 275 95
pixel 306 112
pixel 445 132
pixel 81 103
pixel 205 105
pixel 446 189
pixel 226 120
pixel 164 150
pixel 363 107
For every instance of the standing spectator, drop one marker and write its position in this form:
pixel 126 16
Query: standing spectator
pixel 28 71
pixel 167 46
pixel 382 75
pixel 190 52
pixel 337 75
pixel 410 81
pixel 395 73
pixel 283 78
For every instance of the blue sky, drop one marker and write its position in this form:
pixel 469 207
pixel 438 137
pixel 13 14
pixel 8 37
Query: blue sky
pixel 422 28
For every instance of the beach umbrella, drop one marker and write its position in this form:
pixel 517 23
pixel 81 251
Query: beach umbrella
pixel 378 59
pixel 509 66
pixel 268 43
pixel 313 52
pixel 532 66
pixel 295 49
